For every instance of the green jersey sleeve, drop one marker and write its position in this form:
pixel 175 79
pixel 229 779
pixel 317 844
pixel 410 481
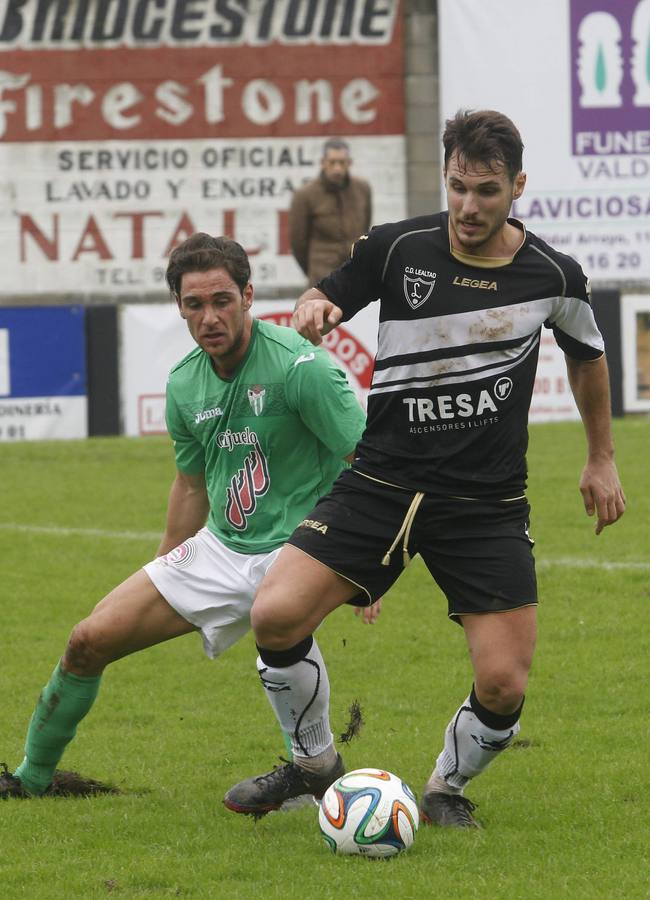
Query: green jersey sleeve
pixel 190 455
pixel 319 392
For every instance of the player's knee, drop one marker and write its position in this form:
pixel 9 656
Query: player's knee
pixel 274 625
pixel 84 654
pixel 502 689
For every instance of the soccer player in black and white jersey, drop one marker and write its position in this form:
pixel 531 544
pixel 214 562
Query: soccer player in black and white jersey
pixel 441 467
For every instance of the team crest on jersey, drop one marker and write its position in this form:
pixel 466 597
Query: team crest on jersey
pixel 418 290
pixel 256 395
pixel 246 485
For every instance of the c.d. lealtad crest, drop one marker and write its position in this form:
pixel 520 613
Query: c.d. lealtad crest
pixel 417 290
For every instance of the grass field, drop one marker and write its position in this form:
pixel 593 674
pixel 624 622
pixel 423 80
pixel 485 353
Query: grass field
pixel 565 811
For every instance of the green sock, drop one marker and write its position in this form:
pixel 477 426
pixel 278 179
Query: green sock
pixel 63 703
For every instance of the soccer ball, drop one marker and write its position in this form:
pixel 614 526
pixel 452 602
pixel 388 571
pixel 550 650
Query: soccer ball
pixel 369 812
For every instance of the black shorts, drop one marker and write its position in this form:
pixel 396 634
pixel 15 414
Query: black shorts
pixel 478 551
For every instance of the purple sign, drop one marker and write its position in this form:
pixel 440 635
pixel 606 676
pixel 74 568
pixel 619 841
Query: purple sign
pixel 610 77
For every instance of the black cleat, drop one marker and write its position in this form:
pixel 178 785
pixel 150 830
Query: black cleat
pixel 260 795
pixel 10 786
pixel 450 810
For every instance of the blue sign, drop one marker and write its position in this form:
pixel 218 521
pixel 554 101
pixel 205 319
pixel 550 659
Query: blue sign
pixel 43 373
pixel 44 352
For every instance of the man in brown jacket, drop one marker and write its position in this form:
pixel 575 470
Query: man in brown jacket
pixel 329 213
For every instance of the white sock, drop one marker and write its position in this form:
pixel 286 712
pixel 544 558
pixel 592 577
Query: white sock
pixel 323 762
pixel 437 784
pixel 299 695
pixel 470 745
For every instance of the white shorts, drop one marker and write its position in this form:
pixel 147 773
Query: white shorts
pixel 211 586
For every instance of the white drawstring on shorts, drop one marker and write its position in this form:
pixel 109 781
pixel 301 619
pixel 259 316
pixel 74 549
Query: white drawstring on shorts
pixel 405 530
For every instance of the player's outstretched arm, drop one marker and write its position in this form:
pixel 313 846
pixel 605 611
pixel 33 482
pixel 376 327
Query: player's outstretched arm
pixel 600 485
pixel 315 315
pixel 187 510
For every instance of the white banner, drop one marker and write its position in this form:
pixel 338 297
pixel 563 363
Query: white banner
pixel 552 398
pixel 153 338
pixel 43 418
pixel 635 321
pixel 99 217
pixel 574 77
pixel 5 369
pixel 584 127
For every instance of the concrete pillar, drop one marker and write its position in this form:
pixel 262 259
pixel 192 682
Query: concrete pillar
pixel 422 110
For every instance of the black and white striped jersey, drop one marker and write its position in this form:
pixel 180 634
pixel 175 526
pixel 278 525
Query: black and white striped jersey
pixel 457 353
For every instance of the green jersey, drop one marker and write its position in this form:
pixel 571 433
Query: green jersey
pixel 270 440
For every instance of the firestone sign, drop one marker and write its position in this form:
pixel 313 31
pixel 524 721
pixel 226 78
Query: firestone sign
pixel 125 126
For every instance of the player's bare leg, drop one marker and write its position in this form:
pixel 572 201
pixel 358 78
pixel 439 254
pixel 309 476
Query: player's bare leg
pixel 501 647
pixel 296 595
pixel 130 618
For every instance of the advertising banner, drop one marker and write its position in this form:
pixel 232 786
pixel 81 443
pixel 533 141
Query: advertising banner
pixel 577 85
pixel 574 76
pixel 127 125
pixel 153 338
pixel 635 309
pixel 552 398
pixel 42 373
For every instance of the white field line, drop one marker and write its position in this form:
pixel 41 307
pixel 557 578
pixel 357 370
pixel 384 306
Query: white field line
pixel 57 531
pixel 567 562
pixel 570 563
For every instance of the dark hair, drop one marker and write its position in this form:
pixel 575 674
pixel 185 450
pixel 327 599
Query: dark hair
pixel 201 252
pixel 335 143
pixel 484 136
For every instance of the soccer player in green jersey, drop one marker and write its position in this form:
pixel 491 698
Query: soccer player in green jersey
pixel 261 422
